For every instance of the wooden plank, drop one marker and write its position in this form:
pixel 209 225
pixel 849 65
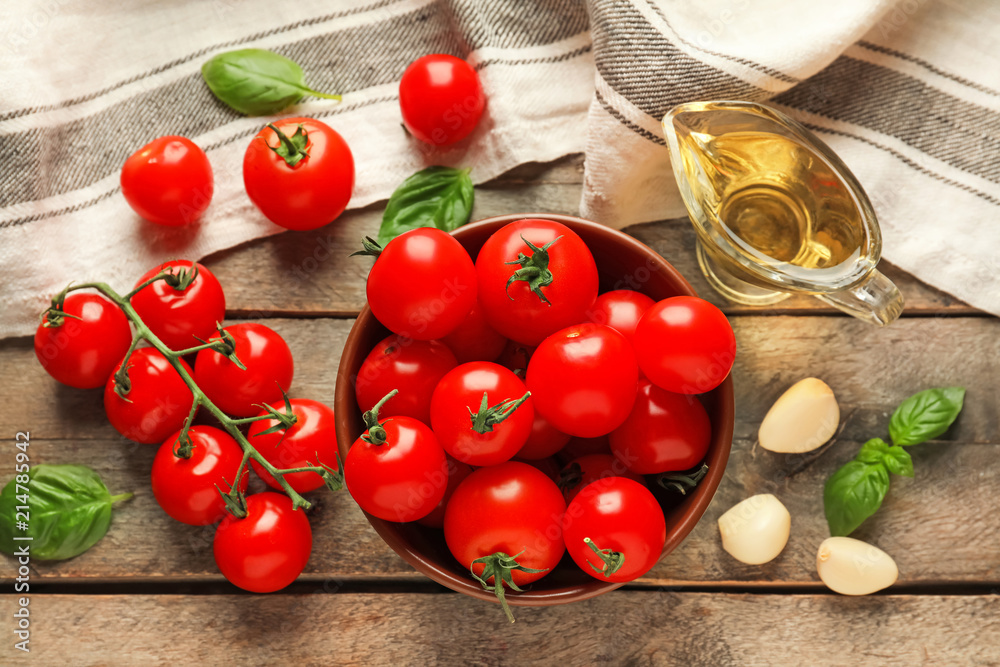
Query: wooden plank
pixel 623 627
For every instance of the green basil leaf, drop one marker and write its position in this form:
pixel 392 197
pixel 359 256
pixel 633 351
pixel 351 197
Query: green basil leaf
pixel 926 415
pixel 256 82
pixel 68 511
pixel 852 494
pixel 873 451
pixel 438 197
pixel 898 461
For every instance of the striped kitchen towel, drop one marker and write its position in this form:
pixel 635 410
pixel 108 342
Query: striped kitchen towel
pixel 905 92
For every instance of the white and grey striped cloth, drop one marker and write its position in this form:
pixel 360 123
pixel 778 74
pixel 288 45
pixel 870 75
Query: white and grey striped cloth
pixel 907 93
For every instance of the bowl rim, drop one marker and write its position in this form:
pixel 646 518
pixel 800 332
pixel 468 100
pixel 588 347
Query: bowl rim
pixel 702 496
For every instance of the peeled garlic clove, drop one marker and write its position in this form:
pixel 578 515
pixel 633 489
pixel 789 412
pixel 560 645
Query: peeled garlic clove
pixel 852 567
pixel 755 530
pixel 802 419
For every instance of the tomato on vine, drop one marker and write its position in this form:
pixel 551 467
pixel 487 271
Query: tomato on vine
pixel 535 277
pixel 311 437
pixel 168 181
pixel 152 401
pixel 81 344
pixel 441 99
pixel 182 308
pixel 267 369
pixel 185 487
pixel 299 172
pixel 267 549
pixel 481 413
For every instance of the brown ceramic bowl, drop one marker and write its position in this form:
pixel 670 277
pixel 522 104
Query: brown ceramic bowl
pixel 623 263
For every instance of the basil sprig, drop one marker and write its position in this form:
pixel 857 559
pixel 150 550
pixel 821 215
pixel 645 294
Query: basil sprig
pixel 439 197
pixel 68 509
pixel 256 82
pixel 856 490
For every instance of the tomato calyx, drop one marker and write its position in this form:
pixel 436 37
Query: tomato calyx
pixel 371 248
pixel 499 566
pixel 224 345
pixel 333 478
pixel 291 149
pixel 286 418
pixel 376 434
pixel 613 560
pixel 570 476
pixel 182 279
pixel 682 482
pixel 534 270
pixel 488 417
pixel 54 315
pixel 236 500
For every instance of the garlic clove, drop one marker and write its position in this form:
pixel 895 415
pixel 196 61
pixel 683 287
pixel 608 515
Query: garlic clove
pixel 755 530
pixel 852 567
pixel 802 419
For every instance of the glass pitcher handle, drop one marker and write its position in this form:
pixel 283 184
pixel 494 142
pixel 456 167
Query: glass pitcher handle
pixel 876 300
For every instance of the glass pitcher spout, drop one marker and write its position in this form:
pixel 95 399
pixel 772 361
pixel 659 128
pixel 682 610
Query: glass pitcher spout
pixel 875 299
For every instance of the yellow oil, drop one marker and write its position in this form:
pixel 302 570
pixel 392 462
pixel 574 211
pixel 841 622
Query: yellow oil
pixel 771 197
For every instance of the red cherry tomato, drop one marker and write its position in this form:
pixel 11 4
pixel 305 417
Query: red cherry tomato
pixel 577 447
pixel 511 509
pixel 414 367
pixel 474 339
pixel 685 344
pixel 441 99
pixel 619 516
pixel 621 310
pixel 527 304
pixel 157 403
pixel 583 379
pixel 311 437
pixel 493 432
pixel 403 478
pixel 168 181
pixel 590 468
pixel 180 317
pixel 83 352
pixel 185 488
pixel 266 550
pixel 457 471
pixel 665 432
pixel 543 441
pixel 269 370
pixel 549 466
pixel 314 190
pixel 423 284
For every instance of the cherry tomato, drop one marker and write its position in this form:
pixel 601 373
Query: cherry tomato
pixel 414 367
pixel 457 471
pixel 310 437
pixel 157 402
pixel 185 488
pixel 620 310
pixel 583 379
pixel 685 344
pixel 304 187
pixel 474 339
pixel 266 550
pixel 180 317
pixel 543 441
pixel 551 288
pixel 269 370
pixel 590 468
pixel 168 181
pixel 441 99
pixel 549 466
pixel 83 352
pixel 423 284
pixel 621 517
pixel 665 432
pixel 401 479
pixel 481 414
pixel 577 447
pixel 511 509
pixel 515 356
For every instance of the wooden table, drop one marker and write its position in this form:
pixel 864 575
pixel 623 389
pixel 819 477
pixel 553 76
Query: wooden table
pixel 149 592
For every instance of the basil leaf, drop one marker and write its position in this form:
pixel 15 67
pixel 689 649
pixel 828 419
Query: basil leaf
pixel 438 197
pixel 898 461
pixel 873 451
pixel 926 415
pixel 256 82
pixel 69 510
pixel 852 494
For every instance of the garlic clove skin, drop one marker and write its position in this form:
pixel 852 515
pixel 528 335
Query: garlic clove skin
pixel 852 567
pixel 755 530
pixel 801 420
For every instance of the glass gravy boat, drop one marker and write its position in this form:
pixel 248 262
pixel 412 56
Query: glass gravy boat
pixel 776 211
